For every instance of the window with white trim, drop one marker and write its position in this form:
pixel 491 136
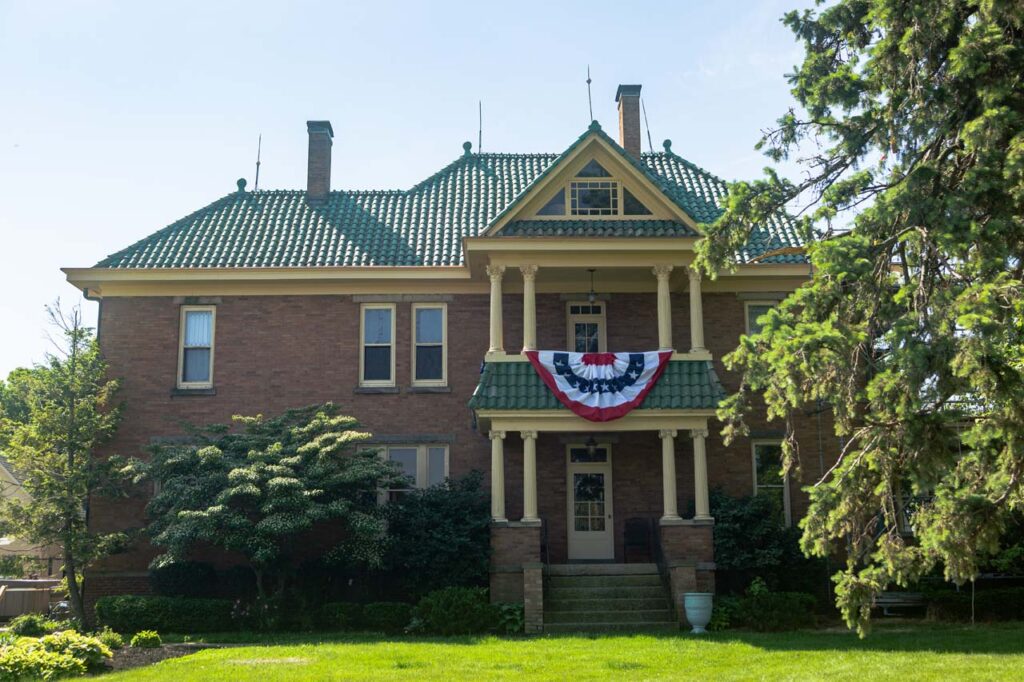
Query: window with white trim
pixel 586 324
pixel 423 465
pixel 754 311
pixel 377 344
pixel 195 346
pixel 593 192
pixel 768 477
pixel 429 344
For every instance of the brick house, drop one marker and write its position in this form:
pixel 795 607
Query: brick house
pixel 409 308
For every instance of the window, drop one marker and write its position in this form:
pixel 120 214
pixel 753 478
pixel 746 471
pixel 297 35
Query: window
pixel 586 327
pixel 593 192
pixel 377 356
pixel 423 465
pixel 755 309
pixel 195 354
pixel 430 338
pixel 768 478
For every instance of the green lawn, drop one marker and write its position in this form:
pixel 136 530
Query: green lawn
pixel 907 651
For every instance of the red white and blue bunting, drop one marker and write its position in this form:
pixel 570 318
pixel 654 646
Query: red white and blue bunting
pixel 599 387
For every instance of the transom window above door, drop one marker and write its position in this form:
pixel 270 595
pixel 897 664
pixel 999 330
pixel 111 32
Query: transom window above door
pixel 586 324
pixel 593 192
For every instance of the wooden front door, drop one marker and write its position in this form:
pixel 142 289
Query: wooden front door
pixel 589 493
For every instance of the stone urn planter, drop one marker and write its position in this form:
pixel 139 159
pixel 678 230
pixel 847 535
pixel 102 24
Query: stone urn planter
pixel 698 610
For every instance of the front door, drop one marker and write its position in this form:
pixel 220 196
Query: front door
pixel 589 477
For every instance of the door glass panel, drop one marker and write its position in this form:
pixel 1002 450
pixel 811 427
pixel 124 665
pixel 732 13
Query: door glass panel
pixel 588 502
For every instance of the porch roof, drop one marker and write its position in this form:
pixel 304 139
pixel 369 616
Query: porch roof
pixel 685 385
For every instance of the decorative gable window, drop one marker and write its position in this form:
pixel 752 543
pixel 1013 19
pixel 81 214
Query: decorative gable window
pixel 430 337
pixel 195 350
pixel 594 192
pixel 377 340
pixel 768 478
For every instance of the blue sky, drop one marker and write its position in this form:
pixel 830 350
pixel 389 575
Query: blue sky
pixel 117 118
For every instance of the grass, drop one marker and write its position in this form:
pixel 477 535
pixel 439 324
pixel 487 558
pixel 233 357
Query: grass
pixel 893 651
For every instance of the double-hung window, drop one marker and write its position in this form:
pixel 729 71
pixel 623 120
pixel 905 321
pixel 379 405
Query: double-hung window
pixel 423 465
pixel 755 310
pixel 768 477
pixel 377 345
pixel 430 338
pixel 195 349
pixel 586 326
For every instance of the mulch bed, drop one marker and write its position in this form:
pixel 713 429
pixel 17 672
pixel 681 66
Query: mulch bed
pixel 129 657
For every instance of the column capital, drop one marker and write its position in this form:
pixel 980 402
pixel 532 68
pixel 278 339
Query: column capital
pixel 496 435
pixel 693 273
pixel 699 433
pixel 662 271
pixel 667 433
pixel 529 271
pixel 528 434
pixel 495 271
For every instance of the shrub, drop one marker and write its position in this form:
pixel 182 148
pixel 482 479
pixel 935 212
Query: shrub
pixel 511 618
pixel 438 537
pixel 170 614
pixel 766 611
pixel 989 605
pixel 340 616
pixel 89 650
pixel 33 625
pixel 750 542
pixel 146 639
pixel 196 579
pixel 457 611
pixel 386 616
pixel 237 582
pixel 36 663
pixel 112 639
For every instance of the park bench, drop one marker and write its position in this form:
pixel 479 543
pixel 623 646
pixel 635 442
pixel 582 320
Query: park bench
pixel 887 601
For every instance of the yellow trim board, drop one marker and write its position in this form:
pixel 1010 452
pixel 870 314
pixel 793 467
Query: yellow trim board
pixel 564 420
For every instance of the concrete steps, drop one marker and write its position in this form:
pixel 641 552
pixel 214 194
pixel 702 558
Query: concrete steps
pixel 606 597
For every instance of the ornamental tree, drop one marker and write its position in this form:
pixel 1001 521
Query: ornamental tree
pixel 52 419
pixel 260 490
pixel 911 329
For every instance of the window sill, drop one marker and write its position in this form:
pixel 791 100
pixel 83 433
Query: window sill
pixel 376 389
pixel 429 389
pixel 192 391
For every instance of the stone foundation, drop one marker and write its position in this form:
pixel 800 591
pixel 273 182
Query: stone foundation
pixel 516 569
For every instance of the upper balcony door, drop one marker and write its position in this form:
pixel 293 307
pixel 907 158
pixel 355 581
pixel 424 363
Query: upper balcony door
pixel 587 324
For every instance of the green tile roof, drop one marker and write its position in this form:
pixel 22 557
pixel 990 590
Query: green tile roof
pixel 423 225
pixel 685 385
pixel 597 228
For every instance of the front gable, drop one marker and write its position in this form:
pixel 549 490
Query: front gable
pixel 593 180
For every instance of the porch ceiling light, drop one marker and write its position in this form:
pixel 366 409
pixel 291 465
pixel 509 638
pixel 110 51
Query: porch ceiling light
pixel 592 296
pixel 591 446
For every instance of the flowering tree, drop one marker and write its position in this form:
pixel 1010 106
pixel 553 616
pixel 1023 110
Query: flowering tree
pixel 260 489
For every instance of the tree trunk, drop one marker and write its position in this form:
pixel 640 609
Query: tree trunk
pixel 74 593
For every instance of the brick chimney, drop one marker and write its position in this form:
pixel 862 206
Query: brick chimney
pixel 628 97
pixel 318 174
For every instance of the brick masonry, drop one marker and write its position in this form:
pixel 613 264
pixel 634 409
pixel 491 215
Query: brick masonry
pixel 277 352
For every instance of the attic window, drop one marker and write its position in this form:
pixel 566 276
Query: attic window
pixel 556 206
pixel 594 198
pixel 631 205
pixel 593 170
pixel 594 193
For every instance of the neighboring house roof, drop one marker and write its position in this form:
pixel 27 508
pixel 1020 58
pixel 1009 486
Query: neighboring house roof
pixel 422 226
pixel 685 385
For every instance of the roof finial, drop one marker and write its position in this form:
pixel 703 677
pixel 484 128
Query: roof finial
pixel 667 144
pixel 241 184
pixel 467 148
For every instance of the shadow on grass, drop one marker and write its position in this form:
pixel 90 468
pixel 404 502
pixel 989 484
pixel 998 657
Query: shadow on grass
pixel 1003 638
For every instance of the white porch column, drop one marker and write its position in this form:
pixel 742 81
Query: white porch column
pixel 529 476
pixel 495 272
pixel 529 307
pixel 668 474
pixel 498 476
pixel 700 475
pixel 696 311
pixel 662 272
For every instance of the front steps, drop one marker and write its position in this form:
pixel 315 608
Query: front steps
pixel 603 597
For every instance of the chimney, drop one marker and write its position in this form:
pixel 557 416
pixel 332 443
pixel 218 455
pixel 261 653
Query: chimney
pixel 318 174
pixel 628 97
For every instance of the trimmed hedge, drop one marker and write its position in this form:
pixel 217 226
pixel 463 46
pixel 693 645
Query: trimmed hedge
pixel 340 616
pixel 989 605
pixel 457 611
pixel 167 614
pixel 765 611
pixel 389 617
